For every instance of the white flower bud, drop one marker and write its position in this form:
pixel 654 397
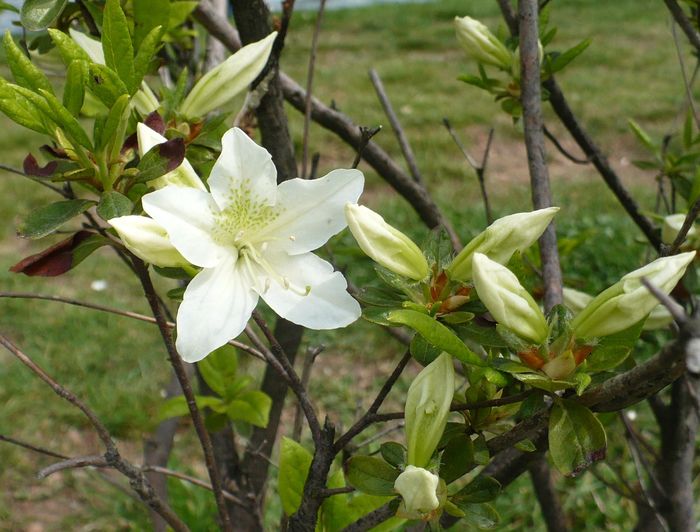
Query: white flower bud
pixel 183 176
pixel 418 489
pixel 427 408
pixel 507 301
pixel 385 244
pixel 147 239
pixel 575 300
pixel 218 86
pixel 482 45
pixel 628 301
pixel 501 239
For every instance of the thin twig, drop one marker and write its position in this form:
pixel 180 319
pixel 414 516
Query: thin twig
pixel 639 466
pixel 686 82
pixel 329 492
pixel 396 126
pixel 294 381
pixel 93 460
pixel 690 32
pixel 558 145
pixel 33 178
pixel 183 379
pixel 667 301
pixel 192 480
pixel 125 313
pixel 367 419
pixel 309 360
pixel 138 482
pixel 366 134
pixel 309 86
pixel 35 448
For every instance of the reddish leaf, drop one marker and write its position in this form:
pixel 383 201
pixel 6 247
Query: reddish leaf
pixel 53 261
pixel 31 167
pixel 154 121
pixel 173 151
pixel 55 151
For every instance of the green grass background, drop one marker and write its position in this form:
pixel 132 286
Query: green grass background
pixel 119 367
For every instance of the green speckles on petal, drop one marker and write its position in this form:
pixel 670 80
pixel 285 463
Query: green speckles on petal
pixel 243 216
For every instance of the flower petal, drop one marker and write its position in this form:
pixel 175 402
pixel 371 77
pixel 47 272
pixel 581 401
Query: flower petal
pixel 312 211
pixel 183 176
pixel 327 305
pixel 216 307
pixel 244 170
pixel 187 214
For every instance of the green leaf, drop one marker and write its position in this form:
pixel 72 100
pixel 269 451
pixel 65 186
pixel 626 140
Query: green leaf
pixel 20 110
pixel 37 15
pixel 161 159
pixel 70 50
pixel 74 89
pixel 4 6
pixel 643 137
pixel 149 14
pixel 576 437
pixel 72 128
pixel 23 70
pixel 371 475
pixel 114 204
pixel 146 52
pixel 481 489
pixel 179 11
pixel 563 59
pixel 482 516
pixel 252 407
pixel 423 351
pixel 614 349
pixel 526 446
pixel 394 453
pixel 436 333
pixel 219 368
pixel 541 381
pixel 294 467
pixel 105 84
pixel 47 219
pixel 117 46
pixel 177 406
pixel 457 459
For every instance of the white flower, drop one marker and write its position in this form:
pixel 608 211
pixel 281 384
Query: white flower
pixel 218 86
pixel 253 238
pixel 385 244
pixel 183 176
pixel 507 301
pixel 418 488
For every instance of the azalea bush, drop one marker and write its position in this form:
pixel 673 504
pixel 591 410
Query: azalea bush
pixel 181 162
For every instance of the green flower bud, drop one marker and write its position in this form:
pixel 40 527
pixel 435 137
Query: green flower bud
pixel 672 226
pixel 507 301
pixel 219 86
pixel 183 176
pixel 418 489
pixel 628 301
pixel 427 407
pixel 560 367
pixel 501 239
pixel 385 244
pixel 482 45
pixel 147 239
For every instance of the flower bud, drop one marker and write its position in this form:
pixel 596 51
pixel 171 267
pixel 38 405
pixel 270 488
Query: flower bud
pixel 672 226
pixel 385 244
pixel 628 301
pixel 427 407
pixel 183 176
pixel 507 301
pixel 218 86
pixel 575 300
pixel 560 367
pixel 482 45
pixel 501 239
pixel 147 239
pixel 418 489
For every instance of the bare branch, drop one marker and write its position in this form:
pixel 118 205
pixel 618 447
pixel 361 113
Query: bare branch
pixel 396 126
pixel 667 301
pixel 95 460
pixel 31 447
pixel 41 182
pixel 192 480
pixel 679 16
pixel 309 360
pixel 686 81
pixel 534 142
pixel 553 139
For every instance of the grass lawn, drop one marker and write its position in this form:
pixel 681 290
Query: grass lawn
pixel 119 366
